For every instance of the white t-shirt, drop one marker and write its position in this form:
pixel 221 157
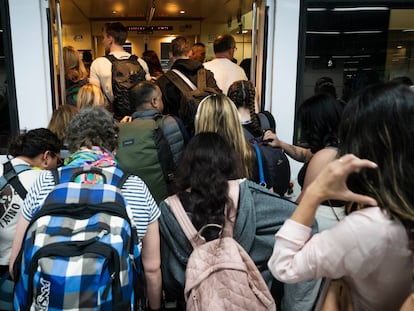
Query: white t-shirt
pixel 225 72
pixel 101 72
pixel 10 208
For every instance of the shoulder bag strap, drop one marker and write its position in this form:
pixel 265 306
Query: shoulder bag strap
pixel 11 176
pixel 184 221
pixel 178 82
pixel 110 57
pixel 187 226
pixel 185 79
pixel 260 163
pixel 201 79
pixel 231 213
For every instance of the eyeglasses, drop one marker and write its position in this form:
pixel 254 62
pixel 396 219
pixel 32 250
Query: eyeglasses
pixel 59 160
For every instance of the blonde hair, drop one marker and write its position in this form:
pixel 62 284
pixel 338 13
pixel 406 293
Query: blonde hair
pixel 90 95
pixel 75 70
pixel 218 114
pixel 60 120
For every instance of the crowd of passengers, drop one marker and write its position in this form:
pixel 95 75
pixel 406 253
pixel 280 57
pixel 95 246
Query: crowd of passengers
pixel 353 219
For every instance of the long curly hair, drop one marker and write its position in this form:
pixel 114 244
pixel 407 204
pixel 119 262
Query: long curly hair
pixel 218 114
pixel 378 124
pixel 207 164
pixel 92 126
pixel 243 94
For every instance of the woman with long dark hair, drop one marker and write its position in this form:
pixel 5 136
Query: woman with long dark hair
pixel 208 163
pixel 369 248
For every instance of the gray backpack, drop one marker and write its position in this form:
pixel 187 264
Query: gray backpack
pixel 220 275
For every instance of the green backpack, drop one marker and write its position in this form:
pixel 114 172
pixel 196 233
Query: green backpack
pixel 144 151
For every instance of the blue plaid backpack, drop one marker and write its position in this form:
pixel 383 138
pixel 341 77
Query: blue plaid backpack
pixel 80 250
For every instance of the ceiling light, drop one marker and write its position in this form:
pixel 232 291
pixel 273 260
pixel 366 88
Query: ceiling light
pixel 362 56
pixel 323 32
pixel 182 11
pixel 362 8
pixel 362 32
pixel 114 12
pixel 408 30
pixel 316 9
pixel 399 46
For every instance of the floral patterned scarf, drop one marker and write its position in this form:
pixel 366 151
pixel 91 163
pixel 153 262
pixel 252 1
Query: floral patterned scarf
pixel 91 157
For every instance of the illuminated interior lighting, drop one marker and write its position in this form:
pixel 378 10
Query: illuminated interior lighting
pixel 362 32
pixel 399 46
pixel 408 30
pixel 182 11
pixel 362 56
pixel 362 8
pixel 317 9
pixel 114 12
pixel 323 32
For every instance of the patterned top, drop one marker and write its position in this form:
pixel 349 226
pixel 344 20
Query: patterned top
pixel 140 202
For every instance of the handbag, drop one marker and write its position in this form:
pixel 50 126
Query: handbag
pixel 335 296
pixel 6 292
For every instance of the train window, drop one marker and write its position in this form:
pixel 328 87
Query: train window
pixel 355 43
pixel 8 108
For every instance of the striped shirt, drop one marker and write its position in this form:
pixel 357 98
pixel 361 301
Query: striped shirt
pixel 141 204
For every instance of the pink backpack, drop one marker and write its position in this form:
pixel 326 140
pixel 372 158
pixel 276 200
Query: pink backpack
pixel 220 274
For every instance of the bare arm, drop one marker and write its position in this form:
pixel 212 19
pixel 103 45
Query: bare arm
pixel 151 260
pixel 22 225
pixel 331 184
pixel 295 152
pixel 316 164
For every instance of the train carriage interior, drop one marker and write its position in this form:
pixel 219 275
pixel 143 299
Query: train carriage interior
pixel 293 43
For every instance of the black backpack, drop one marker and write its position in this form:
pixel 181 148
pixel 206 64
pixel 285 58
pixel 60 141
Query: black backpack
pixel 191 97
pixel 277 162
pixel 126 73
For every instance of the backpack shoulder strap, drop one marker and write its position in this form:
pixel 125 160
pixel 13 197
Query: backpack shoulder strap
pixel 178 82
pixel 260 164
pixel 159 119
pixel 188 227
pixel 183 220
pixel 267 121
pixel 111 58
pixel 10 176
pixel 133 57
pixel 185 79
pixel 56 176
pixel 165 154
pixel 231 213
pixel 201 79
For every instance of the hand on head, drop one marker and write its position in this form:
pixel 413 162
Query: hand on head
pixel 331 182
